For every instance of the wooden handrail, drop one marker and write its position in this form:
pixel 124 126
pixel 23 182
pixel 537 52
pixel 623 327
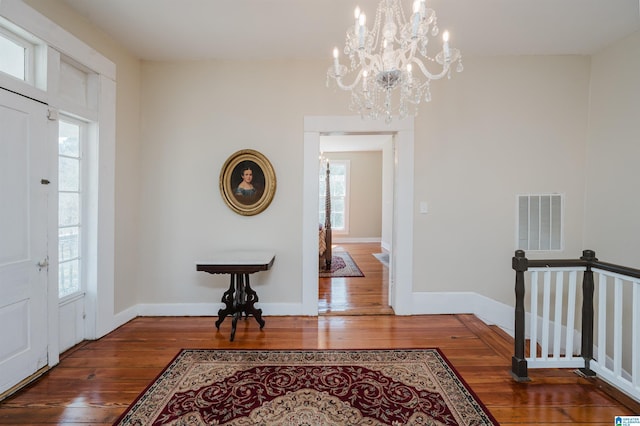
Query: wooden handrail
pixel 582 262
pixel 618 269
pixel 589 261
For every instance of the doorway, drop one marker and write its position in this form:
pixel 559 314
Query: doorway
pixel 401 261
pixel 29 300
pixel 362 170
pixel 23 247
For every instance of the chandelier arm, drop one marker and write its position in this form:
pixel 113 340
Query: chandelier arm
pixel 343 86
pixel 374 62
pixel 408 55
pixel 427 73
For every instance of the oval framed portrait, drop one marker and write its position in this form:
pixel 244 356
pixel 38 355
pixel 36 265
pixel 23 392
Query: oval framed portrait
pixel 247 182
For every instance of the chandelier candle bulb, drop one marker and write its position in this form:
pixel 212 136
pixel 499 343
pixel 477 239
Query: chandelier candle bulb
pixel 416 23
pixel 356 14
pixel 362 21
pixel 416 6
pixel 445 46
pixel 336 64
pixel 416 18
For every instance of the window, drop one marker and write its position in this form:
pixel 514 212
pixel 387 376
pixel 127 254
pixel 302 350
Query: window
pixel 16 56
pixel 339 187
pixel 70 162
pixel 540 222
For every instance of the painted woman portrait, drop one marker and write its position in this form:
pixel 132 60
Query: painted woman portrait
pixel 247 182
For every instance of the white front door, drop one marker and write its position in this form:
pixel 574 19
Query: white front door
pixel 23 238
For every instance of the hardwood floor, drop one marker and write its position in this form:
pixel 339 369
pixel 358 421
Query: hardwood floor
pixel 96 381
pixel 368 295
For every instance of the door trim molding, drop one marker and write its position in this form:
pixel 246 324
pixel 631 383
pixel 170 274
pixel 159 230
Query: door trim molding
pixel 102 320
pixel 401 278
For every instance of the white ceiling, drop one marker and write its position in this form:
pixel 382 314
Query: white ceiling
pixel 175 30
pixel 255 29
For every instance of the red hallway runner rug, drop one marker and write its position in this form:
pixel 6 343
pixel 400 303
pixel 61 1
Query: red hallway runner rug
pixel 333 387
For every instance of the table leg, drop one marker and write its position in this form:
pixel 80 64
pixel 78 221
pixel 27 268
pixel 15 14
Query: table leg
pixel 234 322
pixel 238 299
pixel 238 303
pixel 227 299
pixel 251 299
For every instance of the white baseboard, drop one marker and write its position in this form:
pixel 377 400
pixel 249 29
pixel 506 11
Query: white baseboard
pixel 198 309
pixel 125 316
pixel 488 310
pixel 424 303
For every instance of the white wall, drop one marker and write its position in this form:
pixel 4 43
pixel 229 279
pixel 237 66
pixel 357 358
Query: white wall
pixel 195 115
pixel 505 126
pixel 365 199
pixel 613 149
pixel 612 228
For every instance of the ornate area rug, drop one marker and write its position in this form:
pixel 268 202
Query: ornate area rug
pixel 342 265
pixel 305 388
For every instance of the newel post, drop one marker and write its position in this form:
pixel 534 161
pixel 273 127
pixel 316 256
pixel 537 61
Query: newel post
pixel 587 312
pixel 518 362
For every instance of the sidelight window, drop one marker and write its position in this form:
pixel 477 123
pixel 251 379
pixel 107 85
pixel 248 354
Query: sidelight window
pixel 70 202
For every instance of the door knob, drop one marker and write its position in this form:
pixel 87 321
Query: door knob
pixel 43 264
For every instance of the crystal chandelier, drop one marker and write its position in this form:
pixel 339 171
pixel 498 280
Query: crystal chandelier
pixel 393 54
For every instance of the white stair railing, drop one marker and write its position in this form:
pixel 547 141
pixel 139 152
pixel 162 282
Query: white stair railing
pixel 582 313
pixel 552 338
pixel 609 360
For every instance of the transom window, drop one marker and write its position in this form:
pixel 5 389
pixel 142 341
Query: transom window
pixel 16 56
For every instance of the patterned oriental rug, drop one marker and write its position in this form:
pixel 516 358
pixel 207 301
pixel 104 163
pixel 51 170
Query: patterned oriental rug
pixel 286 388
pixel 342 265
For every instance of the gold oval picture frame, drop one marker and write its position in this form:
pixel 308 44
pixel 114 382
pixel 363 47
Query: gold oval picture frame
pixel 247 182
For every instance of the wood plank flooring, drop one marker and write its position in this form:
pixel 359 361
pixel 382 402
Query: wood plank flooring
pixel 368 295
pixel 96 381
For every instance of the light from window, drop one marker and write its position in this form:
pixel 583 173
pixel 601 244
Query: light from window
pixel 69 208
pixel 12 57
pixel 339 179
pixel 540 222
